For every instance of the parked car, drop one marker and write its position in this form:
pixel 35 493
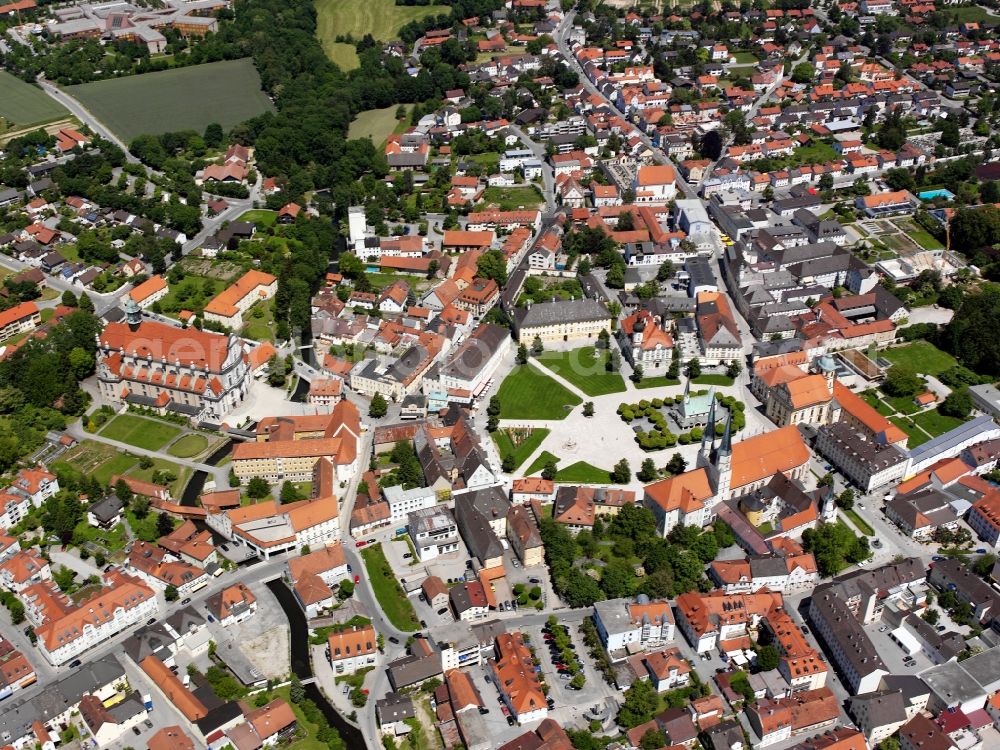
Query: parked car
pixel 393 639
pixel 443 610
pixel 186 600
pixel 804 629
pixel 151 620
pixel 937 558
pixel 136 731
pixel 533 580
pixel 565 676
pixel 357 579
pixel 941 628
pixel 360 543
pixel 74 664
pixel 981 551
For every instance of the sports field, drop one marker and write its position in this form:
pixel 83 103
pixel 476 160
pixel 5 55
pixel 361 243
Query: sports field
pixel 23 104
pixel 189 98
pixel 380 18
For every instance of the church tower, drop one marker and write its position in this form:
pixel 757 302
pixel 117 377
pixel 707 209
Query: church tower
pixel 828 506
pixel 724 462
pixel 133 313
pixel 707 437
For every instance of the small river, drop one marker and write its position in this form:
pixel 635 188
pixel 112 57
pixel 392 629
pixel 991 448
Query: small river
pixel 302 669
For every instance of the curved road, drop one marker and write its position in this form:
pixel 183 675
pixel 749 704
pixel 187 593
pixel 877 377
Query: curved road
pixel 81 113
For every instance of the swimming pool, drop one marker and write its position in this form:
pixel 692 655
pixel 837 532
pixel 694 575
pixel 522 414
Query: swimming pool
pixel 929 195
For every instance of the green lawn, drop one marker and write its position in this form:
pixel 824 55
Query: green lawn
pixel 161 465
pixel 521 452
pixel 390 595
pixel 375 124
pixel 513 198
pixel 22 104
pixel 659 381
pixel 746 58
pixel 584 368
pixel 583 472
pixel 140 432
pixel 188 446
pixel 902 404
pixel 917 436
pixel 711 379
pixel 97 459
pixel 145 528
pixel 871 398
pixel 113 540
pixel 528 394
pixel 258 322
pixel 305 731
pixel 261 217
pixel 226 92
pixel 193 293
pixel 539 463
pixel 935 422
pixel 861 524
pixel 924 238
pixel 921 356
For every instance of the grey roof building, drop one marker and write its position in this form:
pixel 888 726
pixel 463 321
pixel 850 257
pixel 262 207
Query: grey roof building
pixel 413 669
pixel 394 707
pixel 566 313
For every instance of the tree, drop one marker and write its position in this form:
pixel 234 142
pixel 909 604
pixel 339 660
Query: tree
pixel 693 368
pixel 170 593
pixel 984 564
pixel 958 403
pixel 258 488
pixel 733 369
pixel 509 463
pixel 588 409
pixel 603 339
pixel 69 299
pixel 345 589
pixel 81 362
pixel 164 524
pixel 378 407
pixel 492 265
pixel 804 72
pixel 665 271
pixel 834 546
pixel 641 700
pixel 970 335
pixel 950 135
pixel 289 493
pixel 549 470
pixel 902 381
pixel 636 376
pixel 124 492
pixel 845 499
pixel 578 681
pixel 140 507
pixel 826 182
pixel 86 303
pixel 522 354
pixel 622 473
pixel 494 408
pixel 647 472
pixel 676 465
pixel 767 658
pixel 931 616
pixel 296 691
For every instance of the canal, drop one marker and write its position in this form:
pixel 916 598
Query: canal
pixel 197 481
pixel 302 668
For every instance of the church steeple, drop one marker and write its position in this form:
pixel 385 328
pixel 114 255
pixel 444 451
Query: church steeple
pixel 708 436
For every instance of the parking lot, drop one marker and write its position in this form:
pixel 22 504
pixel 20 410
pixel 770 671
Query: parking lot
pixel 892 653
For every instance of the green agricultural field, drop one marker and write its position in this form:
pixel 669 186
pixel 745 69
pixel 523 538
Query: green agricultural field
pixel 513 441
pixel 344 55
pixel 583 472
pixel 225 92
pixel 22 104
pixel 513 198
pixel 381 18
pixel 140 432
pixel 584 368
pixel 375 124
pixel 921 356
pixel 100 460
pixel 528 394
